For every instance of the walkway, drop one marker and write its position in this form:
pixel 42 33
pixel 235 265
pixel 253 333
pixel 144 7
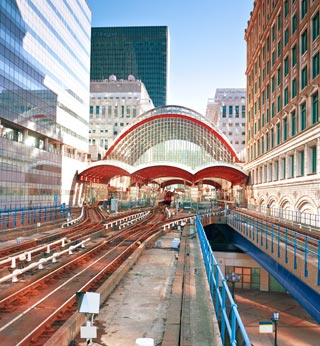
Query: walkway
pixel 291 257
pixel 143 305
pixel 148 301
pixel 295 325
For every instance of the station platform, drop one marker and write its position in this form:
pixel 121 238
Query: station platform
pixel 164 297
pixel 295 326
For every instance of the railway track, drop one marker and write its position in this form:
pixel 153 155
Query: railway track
pixel 34 309
pixel 34 243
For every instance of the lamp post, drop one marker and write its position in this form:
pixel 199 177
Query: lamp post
pixel 233 278
pixel 275 321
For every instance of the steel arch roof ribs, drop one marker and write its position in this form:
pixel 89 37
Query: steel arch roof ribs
pixel 173 142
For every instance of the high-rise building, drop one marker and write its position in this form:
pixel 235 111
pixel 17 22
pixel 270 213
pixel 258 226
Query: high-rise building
pixel 139 51
pixel 44 98
pixel 283 123
pixel 228 112
pixel 113 106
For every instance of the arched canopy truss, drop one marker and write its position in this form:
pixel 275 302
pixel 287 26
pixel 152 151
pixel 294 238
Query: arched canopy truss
pixel 161 173
pixel 171 136
pixel 169 143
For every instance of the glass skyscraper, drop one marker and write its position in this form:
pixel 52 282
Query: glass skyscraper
pixel 139 51
pixel 44 96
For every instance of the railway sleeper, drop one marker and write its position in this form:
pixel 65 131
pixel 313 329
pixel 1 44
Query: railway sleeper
pixel 9 307
pixel 58 323
pixel 33 292
pixel 21 300
pixel 42 285
pixel 50 280
pixel 40 337
pixel 66 271
pixel 48 330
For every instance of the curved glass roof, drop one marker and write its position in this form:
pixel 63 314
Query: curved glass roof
pixel 169 143
pixel 172 134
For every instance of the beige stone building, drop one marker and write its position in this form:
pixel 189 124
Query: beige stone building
pixel 228 112
pixel 114 104
pixel 283 123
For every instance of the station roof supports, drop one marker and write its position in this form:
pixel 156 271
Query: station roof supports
pixel 169 143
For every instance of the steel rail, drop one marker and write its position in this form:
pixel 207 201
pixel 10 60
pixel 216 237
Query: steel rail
pixel 135 238
pixel 126 253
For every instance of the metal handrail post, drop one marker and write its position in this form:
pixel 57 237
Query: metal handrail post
pixel 295 251
pixel 306 257
pixel 286 247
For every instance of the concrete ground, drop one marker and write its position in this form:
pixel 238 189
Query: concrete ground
pixel 295 325
pixel 139 306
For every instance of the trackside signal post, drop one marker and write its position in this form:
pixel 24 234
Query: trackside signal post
pixel 88 304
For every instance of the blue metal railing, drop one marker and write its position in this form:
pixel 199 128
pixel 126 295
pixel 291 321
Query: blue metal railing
pixel 268 236
pixel 231 326
pixel 293 216
pixel 293 259
pixel 13 216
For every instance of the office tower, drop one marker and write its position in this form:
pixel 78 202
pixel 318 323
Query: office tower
pixel 228 112
pixel 113 106
pixel 44 98
pixel 283 128
pixel 139 51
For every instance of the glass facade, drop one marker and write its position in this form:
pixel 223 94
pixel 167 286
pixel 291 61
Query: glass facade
pixel 44 95
pixel 139 51
pixel 249 278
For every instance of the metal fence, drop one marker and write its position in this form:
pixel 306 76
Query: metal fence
pixel 295 257
pixel 231 326
pixel 268 237
pixel 21 216
pixel 292 216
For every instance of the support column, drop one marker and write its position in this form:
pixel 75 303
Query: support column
pixel 46 144
pixel 80 197
pixel 76 187
pixel 25 135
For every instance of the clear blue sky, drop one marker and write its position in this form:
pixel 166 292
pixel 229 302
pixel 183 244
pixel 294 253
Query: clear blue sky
pixel 207 45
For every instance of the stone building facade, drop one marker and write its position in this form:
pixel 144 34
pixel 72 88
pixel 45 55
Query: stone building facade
pixel 283 123
pixel 114 104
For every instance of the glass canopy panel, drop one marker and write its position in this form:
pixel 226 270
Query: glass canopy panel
pixel 181 152
pixel 169 137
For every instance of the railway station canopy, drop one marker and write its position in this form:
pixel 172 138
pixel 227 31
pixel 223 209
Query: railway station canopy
pixel 169 145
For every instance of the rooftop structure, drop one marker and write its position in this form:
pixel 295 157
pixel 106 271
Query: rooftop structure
pixel 165 146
